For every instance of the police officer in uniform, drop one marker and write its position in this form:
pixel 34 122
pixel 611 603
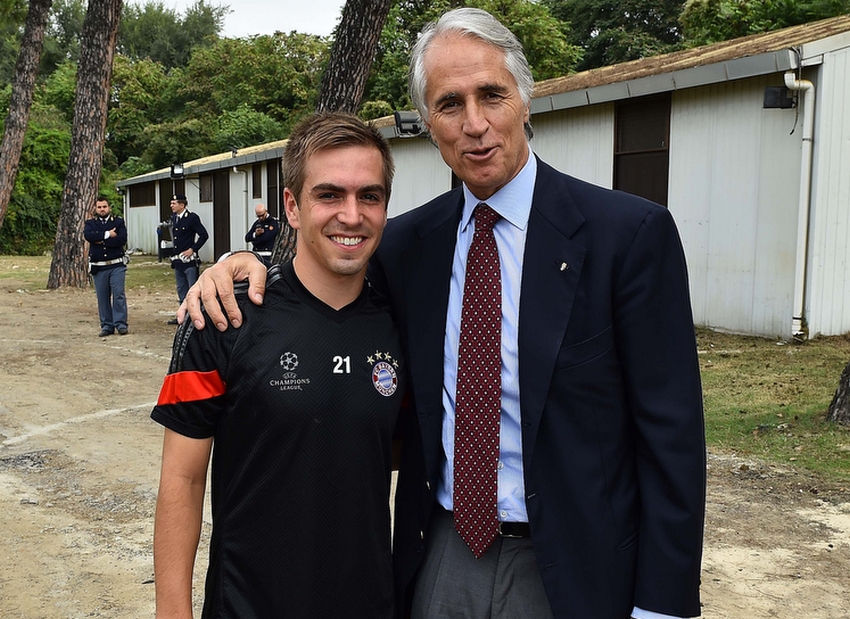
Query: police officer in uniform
pixel 263 233
pixel 189 235
pixel 107 236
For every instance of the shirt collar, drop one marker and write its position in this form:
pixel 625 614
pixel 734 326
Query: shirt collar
pixel 512 202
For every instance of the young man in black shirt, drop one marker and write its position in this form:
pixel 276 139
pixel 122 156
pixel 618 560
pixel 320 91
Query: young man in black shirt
pixel 300 404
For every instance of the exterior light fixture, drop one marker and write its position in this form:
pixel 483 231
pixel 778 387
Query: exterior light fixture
pixel 407 124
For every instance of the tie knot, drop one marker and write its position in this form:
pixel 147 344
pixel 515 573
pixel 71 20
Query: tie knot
pixel 485 217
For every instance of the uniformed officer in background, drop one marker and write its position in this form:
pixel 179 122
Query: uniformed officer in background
pixel 107 236
pixel 189 235
pixel 263 233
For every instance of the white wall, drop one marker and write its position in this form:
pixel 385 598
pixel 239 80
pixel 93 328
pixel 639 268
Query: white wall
pixel 241 205
pixel 141 227
pixel 828 295
pixel 420 174
pixel 734 178
pixel 579 142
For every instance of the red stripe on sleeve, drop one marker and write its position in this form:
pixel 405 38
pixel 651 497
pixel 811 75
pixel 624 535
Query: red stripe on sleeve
pixel 190 387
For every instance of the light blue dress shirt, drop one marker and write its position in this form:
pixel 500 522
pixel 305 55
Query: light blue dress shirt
pixel 513 203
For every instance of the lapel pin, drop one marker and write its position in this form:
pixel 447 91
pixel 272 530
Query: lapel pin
pixel 564 266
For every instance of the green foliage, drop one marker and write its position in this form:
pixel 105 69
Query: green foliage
pixel 543 36
pixel 406 18
pixel 277 75
pixel 245 126
pixel 63 34
pixel 153 31
pixel 30 224
pixel 375 109
pixel 59 90
pixel 137 101
pixel 710 21
pixel 134 166
pixel 178 140
pixel 612 31
pixel 13 14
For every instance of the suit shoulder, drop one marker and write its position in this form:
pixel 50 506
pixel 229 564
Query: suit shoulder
pixel 443 204
pixel 584 192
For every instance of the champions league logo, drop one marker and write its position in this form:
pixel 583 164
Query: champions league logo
pixel 384 378
pixel 289 361
pixel 289 381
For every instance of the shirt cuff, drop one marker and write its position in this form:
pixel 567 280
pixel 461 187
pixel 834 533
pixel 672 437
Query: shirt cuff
pixel 639 613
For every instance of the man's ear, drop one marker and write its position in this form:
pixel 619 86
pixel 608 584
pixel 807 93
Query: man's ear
pixel 290 207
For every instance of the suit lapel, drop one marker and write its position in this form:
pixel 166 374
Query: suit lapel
pixel 427 265
pixel 551 271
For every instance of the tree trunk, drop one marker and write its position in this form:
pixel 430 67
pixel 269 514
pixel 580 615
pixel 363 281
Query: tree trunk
pixel 357 37
pixel 344 79
pixel 94 77
pixel 26 71
pixel 839 410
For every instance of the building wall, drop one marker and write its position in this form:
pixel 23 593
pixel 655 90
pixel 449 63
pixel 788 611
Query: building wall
pixel 579 142
pixel 734 178
pixel 141 227
pixel 828 292
pixel 420 174
pixel 241 204
pixel 205 212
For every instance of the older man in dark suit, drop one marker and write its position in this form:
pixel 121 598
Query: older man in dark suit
pixel 566 477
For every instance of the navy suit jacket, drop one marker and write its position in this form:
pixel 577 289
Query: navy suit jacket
pixel 611 403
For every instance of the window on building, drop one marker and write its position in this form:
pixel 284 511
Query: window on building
pixel 205 186
pixel 257 180
pixel 143 194
pixel 642 147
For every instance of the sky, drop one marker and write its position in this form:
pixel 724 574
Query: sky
pixel 249 17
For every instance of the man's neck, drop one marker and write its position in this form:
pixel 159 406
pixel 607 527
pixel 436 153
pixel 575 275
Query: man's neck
pixel 335 291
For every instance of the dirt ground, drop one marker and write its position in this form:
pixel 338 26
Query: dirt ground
pixel 79 467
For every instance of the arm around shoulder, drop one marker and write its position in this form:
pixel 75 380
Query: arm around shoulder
pixel 214 289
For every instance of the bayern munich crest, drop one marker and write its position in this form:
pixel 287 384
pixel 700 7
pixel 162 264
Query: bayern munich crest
pixel 384 378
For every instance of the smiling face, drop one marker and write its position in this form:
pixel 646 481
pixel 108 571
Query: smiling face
pixel 475 112
pixel 340 215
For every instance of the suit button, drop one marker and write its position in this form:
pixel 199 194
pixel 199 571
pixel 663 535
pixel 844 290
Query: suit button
pixel 421 534
pixel 427 485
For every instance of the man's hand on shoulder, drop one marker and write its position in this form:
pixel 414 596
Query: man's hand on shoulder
pixel 216 285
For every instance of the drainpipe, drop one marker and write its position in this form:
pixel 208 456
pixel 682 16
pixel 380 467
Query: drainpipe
pixel 808 100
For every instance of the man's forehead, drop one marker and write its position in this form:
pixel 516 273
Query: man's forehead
pixel 488 72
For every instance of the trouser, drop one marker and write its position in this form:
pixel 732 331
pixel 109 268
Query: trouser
pixel 111 300
pixel 186 276
pixel 504 583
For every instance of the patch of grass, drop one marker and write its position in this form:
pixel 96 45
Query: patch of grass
pixel 768 399
pixel 30 273
pixel 26 272
pixel 145 272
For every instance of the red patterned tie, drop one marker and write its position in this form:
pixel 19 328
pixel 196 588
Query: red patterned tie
pixel 479 390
